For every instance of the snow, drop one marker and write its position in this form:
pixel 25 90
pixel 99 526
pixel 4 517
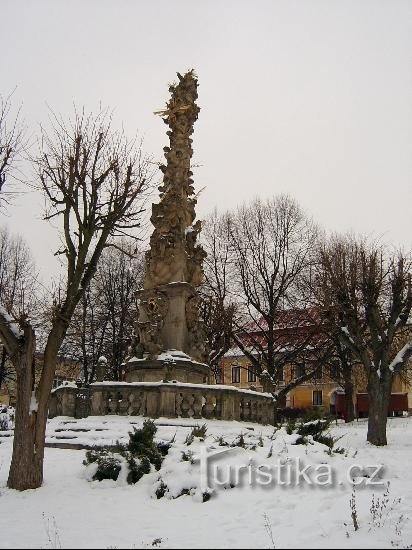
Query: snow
pixel 172 354
pixel 400 356
pixel 179 384
pixel 17 333
pixel 346 332
pixel 65 384
pixel 134 359
pixel 69 511
pixel 34 405
pixel 237 352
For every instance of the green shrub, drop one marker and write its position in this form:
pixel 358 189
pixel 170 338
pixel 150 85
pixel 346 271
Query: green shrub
pixel 240 441
pixel 140 453
pixel 313 428
pixel 137 469
pixel 197 432
pixel 187 457
pixel 161 489
pixel 221 441
pixel 290 426
pixel 108 465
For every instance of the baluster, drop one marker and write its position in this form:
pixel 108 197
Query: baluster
pixel 219 405
pixel 112 404
pixel 254 410
pixel 185 406
pixel 209 406
pixel 191 401
pixel 242 408
pixel 248 411
pixel 197 405
pixel 123 404
pixel 179 401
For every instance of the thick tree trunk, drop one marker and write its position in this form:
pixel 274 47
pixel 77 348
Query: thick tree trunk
pixel 379 392
pixel 349 399
pixel 26 470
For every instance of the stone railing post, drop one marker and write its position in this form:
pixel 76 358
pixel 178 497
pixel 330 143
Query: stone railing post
pixel 98 407
pixel 230 406
pixel 153 402
pixel 69 403
pixel 168 401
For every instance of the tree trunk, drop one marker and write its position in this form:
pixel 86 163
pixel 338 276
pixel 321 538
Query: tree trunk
pixel 26 470
pixel 3 366
pixel 379 392
pixel 349 399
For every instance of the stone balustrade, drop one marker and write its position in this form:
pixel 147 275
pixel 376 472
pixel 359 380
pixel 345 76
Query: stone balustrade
pixel 159 399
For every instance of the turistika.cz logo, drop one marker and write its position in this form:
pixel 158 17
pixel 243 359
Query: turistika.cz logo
pixel 285 472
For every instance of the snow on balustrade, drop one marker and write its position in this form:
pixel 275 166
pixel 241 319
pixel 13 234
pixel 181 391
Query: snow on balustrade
pixel 170 399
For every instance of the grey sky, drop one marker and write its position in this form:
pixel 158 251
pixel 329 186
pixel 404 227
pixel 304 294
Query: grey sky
pixel 312 98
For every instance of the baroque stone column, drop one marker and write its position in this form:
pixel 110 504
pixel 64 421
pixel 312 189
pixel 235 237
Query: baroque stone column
pixel 170 337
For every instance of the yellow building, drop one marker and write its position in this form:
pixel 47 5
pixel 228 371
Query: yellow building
pixel 236 370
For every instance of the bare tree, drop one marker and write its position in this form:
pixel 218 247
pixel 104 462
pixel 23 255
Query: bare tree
pixel 272 244
pixel 86 335
pixel 367 294
pixel 219 308
pixel 103 323
pixel 18 276
pixel 94 181
pixel 11 144
pixel 18 288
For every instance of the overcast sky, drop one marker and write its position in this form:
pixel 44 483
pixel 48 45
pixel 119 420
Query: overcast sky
pixel 311 98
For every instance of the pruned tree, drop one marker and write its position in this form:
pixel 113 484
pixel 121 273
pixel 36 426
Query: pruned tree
pixel 94 181
pixel 366 292
pixel 272 243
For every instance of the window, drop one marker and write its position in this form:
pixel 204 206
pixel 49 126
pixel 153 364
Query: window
pixel 235 375
pixel 317 397
pixel 219 376
pixel 251 374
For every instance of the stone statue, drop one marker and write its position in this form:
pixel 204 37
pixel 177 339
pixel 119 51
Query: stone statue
pixel 169 302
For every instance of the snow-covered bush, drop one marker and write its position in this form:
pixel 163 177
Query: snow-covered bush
pixel 138 456
pixel 108 464
pixel 314 430
pixel 198 432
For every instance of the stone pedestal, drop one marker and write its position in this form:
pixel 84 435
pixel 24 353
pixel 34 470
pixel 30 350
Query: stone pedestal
pixel 169 320
pixel 167 370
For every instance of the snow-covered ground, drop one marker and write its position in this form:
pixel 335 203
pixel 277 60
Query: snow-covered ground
pixel 69 511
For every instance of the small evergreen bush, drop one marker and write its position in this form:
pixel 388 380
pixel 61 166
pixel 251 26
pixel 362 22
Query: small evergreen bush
pixel 140 454
pixel 197 432
pixel 108 465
